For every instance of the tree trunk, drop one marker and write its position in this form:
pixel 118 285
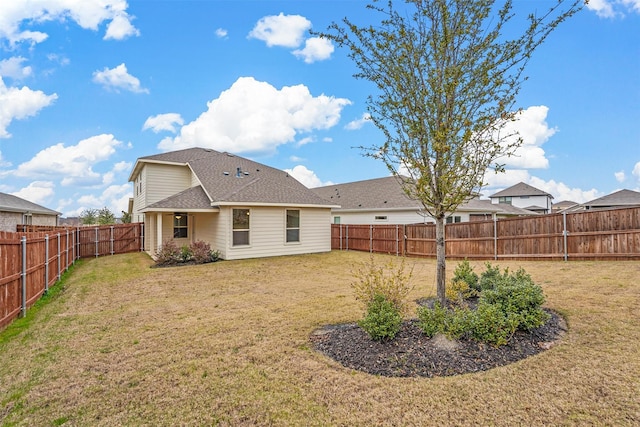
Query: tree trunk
pixel 440 261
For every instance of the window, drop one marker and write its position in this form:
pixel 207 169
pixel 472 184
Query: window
pixel 293 225
pixel 381 218
pixel 452 219
pixel 336 220
pixel 506 199
pixel 240 227
pixel 180 225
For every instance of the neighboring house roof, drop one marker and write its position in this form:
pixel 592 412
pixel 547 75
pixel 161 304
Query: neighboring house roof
pixel 519 190
pixel 618 198
pixel 379 193
pixel 387 194
pixel 565 204
pixel 227 179
pixel 11 203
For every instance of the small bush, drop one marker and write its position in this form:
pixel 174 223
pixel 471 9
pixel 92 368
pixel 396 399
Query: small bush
pixel 168 253
pixel 185 253
pixel 201 252
pixel 383 319
pixel 458 291
pixel 197 252
pixel 464 273
pixel 490 277
pixel 432 320
pixel 491 325
pixel 391 281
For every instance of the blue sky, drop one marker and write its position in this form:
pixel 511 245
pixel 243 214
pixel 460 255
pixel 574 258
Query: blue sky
pixel 89 86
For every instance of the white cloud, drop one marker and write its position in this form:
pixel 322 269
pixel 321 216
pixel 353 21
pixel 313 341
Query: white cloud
pixel 305 140
pixel 358 123
pixel 120 28
pixel 292 158
pixel 221 33
pixel 39 192
pixel 315 49
pixel 636 171
pixel 620 176
pixel 253 116
pixel 13 68
pixel 16 104
pixel 74 164
pixel 87 14
pixel 114 197
pixel 281 30
pixel 118 78
pixel 3 162
pixel 613 8
pixel 307 177
pixel 531 126
pixel 166 122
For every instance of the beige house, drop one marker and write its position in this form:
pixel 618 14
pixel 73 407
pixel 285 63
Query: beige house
pixel 382 201
pixel 524 196
pixel 16 211
pixel 242 208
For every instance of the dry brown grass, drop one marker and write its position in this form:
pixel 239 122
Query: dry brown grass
pixel 227 343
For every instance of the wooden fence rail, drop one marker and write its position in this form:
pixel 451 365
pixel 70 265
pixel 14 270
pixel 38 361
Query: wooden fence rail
pixel 593 235
pixel 35 257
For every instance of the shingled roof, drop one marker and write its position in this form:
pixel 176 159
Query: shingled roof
pixel 618 198
pixel 228 179
pixel 521 189
pixel 11 203
pixel 387 194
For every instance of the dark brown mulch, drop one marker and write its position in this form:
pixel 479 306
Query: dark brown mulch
pixel 412 354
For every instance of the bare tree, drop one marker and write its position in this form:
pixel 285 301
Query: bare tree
pixel 447 78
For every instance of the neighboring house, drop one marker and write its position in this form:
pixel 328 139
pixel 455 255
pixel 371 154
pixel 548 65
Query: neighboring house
pixel 563 206
pixel 383 201
pixel 618 199
pixel 524 196
pixel 242 208
pixel 16 211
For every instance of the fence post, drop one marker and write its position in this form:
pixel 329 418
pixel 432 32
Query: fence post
pixel 97 242
pixel 111 240
pixel 370 238
pixel 495 237
pixel 78 241
pixel 564 235
pixel 59 275
pixel 66 264
pixel 46 262
pixel 23 244
pixel 142 237
pixel 340 233
pixel 397 240
pixel 347 236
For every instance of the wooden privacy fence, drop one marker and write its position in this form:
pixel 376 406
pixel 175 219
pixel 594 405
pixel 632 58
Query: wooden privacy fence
pixel 593 235
pixel 35 257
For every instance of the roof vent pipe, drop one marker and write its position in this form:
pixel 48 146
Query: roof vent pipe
pixel 238 173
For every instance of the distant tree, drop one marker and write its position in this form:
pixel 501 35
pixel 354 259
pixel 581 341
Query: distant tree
pixel 105 216
pixel 447 76
pixel 126 217
pixel 89 216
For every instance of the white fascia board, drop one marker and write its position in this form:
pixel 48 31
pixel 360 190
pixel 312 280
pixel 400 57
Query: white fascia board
pixel 277 205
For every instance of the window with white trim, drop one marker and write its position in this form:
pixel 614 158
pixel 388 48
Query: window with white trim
pixel 452 219
pixel 180 226
pixel 241 227
pixel 293 225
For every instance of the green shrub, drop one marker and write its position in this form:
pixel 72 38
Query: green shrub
pixel 391 281
pixel 491 325
pixel 432 320
pixel 489 278
pixel 458 291
pixel 185 253
pixel 517 295
pixel 383 319
pixel 168 253
pixel 464 273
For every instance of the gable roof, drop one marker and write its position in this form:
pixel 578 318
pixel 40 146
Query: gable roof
pixel 379 193
pixel 227 179
pixel 11 203
pixel 618 198
pixel 520 189
pixel 387 194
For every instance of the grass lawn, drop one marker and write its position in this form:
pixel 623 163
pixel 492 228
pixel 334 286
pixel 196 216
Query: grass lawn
pixel 228 344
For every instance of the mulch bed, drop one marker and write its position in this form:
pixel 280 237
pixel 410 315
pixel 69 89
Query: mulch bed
pixel 412 354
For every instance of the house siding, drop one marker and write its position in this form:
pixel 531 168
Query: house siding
pixel 163 181
pixel 9 220
pixel 267 233
pixel 525 202
pixel 369 217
